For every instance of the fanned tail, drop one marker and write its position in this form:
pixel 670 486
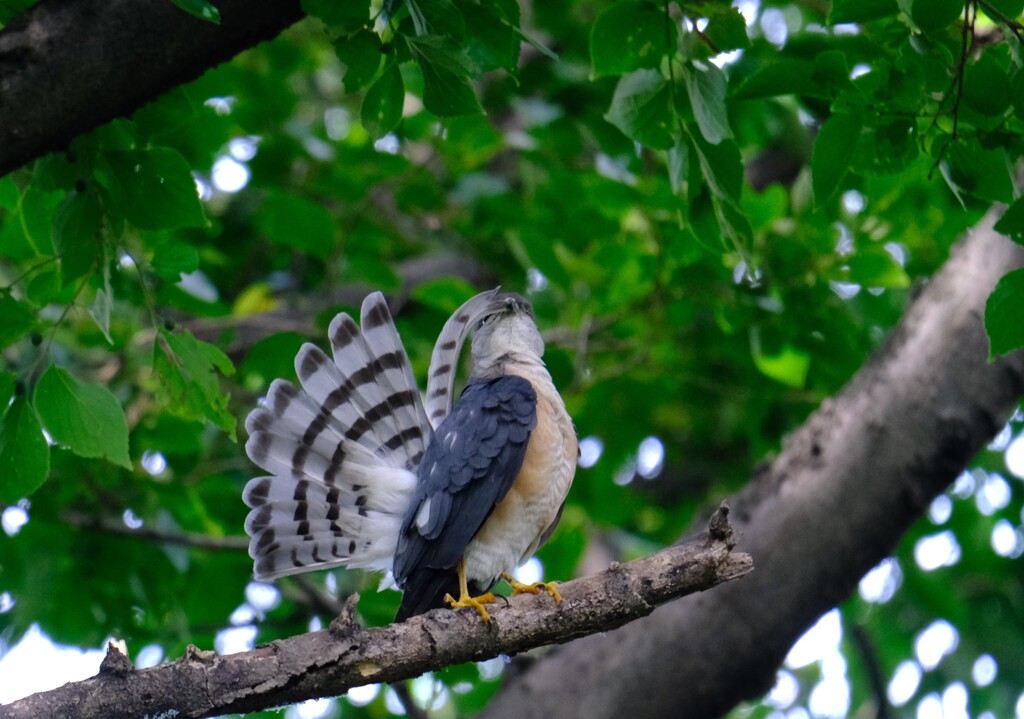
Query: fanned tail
pixel 341 451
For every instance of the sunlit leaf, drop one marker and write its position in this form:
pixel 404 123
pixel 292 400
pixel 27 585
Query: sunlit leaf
pixel 82 416
pixel 706 85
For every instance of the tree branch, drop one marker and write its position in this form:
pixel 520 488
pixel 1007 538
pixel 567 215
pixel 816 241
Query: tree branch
pixel 843 490
pixel 332 661
pixel 68 67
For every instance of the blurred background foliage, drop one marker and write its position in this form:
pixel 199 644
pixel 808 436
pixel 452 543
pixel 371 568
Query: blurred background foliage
pixel 717 211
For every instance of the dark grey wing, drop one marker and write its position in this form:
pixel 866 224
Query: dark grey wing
pixel 469 466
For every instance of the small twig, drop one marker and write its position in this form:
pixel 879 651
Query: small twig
pixel 115 525
pixel 1015 27
pixel 874 672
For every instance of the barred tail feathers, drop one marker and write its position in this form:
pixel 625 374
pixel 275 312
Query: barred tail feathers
pixel 341 451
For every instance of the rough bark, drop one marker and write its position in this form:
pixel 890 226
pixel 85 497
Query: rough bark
pixel 332 661
pixel 68 67
pixel 835 501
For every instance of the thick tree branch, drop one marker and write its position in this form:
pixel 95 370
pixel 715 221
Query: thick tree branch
pixel 68 67
pixel 329 662
pixel 837 499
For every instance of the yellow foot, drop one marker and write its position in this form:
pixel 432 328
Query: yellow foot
pixel 520 588
pixel 468 601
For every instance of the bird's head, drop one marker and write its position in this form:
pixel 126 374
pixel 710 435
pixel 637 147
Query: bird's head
pixel 505 331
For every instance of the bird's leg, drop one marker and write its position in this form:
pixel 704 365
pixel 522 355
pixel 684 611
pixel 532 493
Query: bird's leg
pixel 520 588
pixel 465 600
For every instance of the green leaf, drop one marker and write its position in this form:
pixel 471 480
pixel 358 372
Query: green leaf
pixel 18 319
pixel 1003 314
pixel 189 384
pixel 785 77
pixel 8 193
pixel 861 10
pixel 491 41
pixel 629 36
pixel 76 226
pixel 788 366
pixel 446 69
pixel 340 16
pixel 641 108
pixel 361 55
pixel 36 213
pixel 297 222
pixel 8 383
pixel 153 189
pixel 727 29
pixel 987 86
pixel 382 106
pixel 933 15
pixel 103 304
pixel 1008 8
pixel 833 149
pixel 172 259
pixel 1011 223
pixel 200 9
pixel 24 454
pixel 721 166
pixel 983 173
pixel 270 358
pixel 876 268
pixel 82 416
pixel 436 17
pixel 706 85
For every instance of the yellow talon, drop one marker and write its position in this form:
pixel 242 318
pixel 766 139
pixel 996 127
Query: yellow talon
pixel 466 600
pixel 520 588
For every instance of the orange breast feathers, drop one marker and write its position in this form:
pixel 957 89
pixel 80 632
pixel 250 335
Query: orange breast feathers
pixel 524 516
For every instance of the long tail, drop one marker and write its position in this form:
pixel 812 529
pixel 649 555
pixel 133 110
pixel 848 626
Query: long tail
pixel 342 452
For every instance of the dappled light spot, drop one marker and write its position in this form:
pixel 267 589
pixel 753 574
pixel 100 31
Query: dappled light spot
pixel 904 683
pixel 817 642
pixel 531 572
pixel 229 175
pixel 937 550
pixel 1015 456
pixel 361 696
pixel 853 202
pixel 993 494
pixel 831 696
pixel 590 451
pixel 940 510
pixel 13 519
pixel 845 290
pixel 934 642
pixel 149 656
pixel 153 462
pixel 954 702
pixel 650 458
pixel 389 144
pixel 235 639
pixel 6 602
pixel 262 596
pixel 880 584
pixel 243 149
pixel 199 286
pixel 312 709
pixel 859 69
pixel 1007 540
pixel 221 105
pixel 131 520
pixel 985 670
pixel 785 692
pixel 337 123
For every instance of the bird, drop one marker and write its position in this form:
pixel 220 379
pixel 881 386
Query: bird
pixel 446 499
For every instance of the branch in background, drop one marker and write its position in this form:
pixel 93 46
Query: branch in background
pixel 332 661
pixel 116 525
pixel 67 68
pixel 843 490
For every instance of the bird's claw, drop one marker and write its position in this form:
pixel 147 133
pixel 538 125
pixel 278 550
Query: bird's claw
pixel 469 601
pixel 521 588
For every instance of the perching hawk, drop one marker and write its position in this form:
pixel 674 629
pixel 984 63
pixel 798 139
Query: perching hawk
pixel 446 498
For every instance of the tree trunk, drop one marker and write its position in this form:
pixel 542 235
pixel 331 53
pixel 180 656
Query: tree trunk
pixel 837 499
